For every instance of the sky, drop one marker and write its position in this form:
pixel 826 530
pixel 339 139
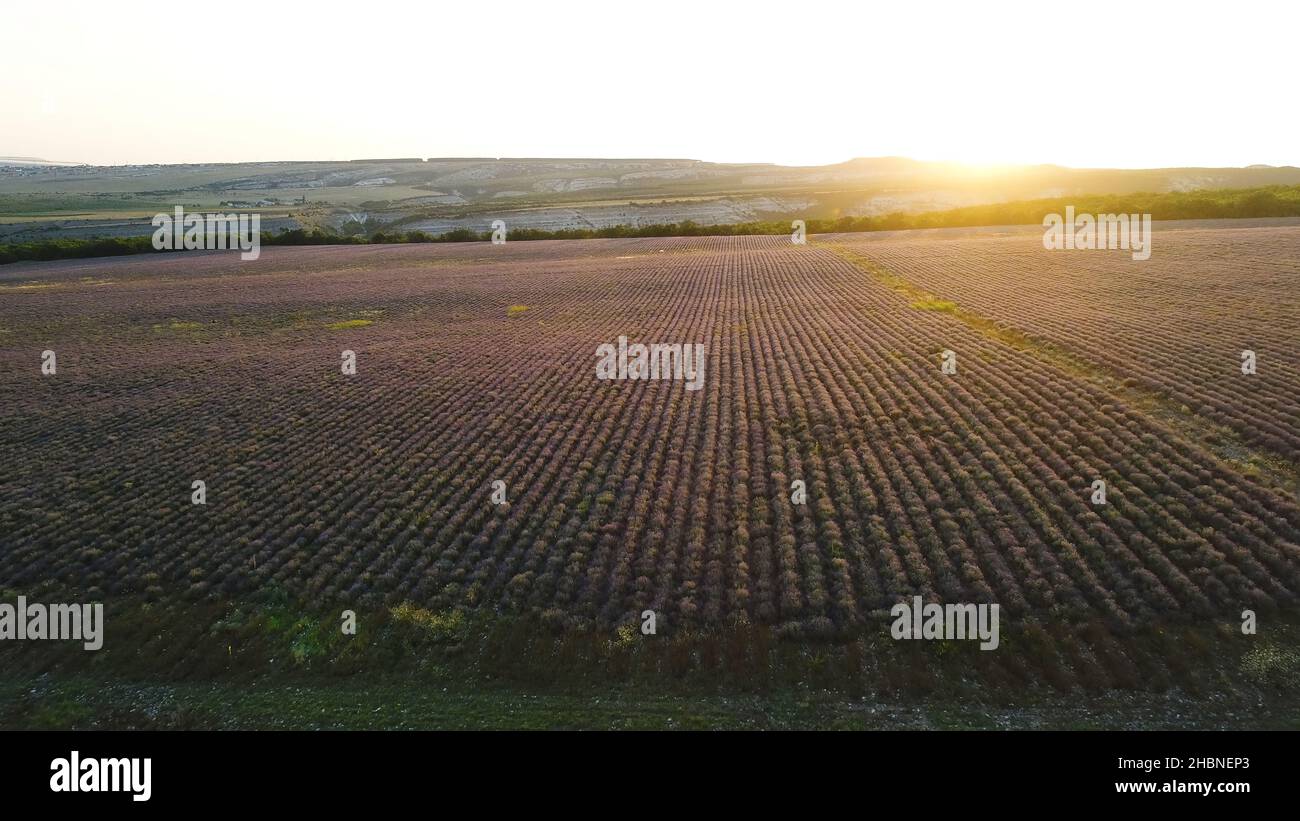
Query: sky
pixel 1122 85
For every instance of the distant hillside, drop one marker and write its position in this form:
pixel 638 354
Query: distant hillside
pixel 42 201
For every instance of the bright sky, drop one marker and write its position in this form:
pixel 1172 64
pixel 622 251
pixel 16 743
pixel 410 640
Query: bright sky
pixel 1113 84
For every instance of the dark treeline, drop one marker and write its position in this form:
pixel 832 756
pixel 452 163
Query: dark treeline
pixel 75 249
pixel 1238 203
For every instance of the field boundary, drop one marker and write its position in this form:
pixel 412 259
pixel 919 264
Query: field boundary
pixel 248 662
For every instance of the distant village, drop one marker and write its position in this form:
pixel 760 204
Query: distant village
pixel 263 203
